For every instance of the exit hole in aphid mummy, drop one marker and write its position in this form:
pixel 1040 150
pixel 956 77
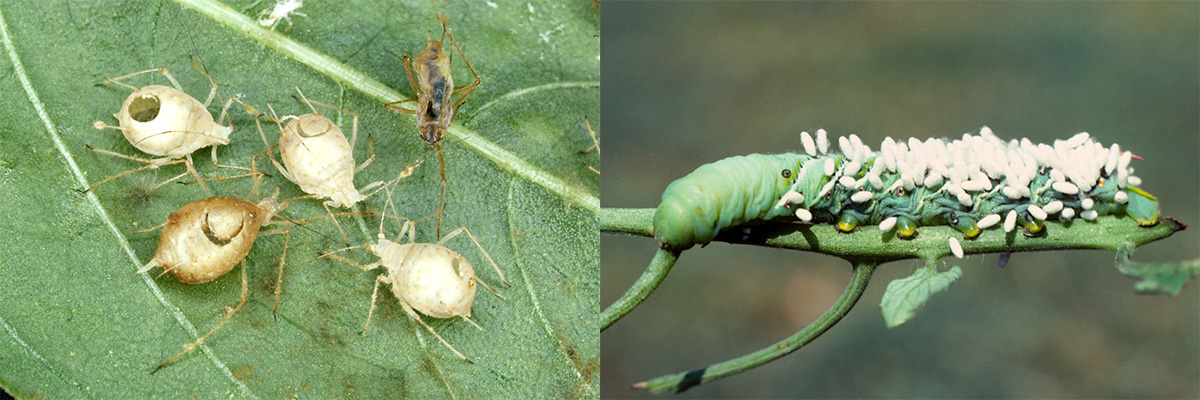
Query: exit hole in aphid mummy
pixel 313 127
pixel 144 109
pixel 222 229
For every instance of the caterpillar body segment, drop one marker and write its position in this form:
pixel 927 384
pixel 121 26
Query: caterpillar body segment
pixel 723 194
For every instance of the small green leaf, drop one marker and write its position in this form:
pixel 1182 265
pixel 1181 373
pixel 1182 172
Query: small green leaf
pixel 1156 277
pixel 904 297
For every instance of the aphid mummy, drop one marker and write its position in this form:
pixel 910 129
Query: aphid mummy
pixel 985 181
pixel 205 239
pixel 426 277
pixel 435 91
pixel 318 158
pixel 166 122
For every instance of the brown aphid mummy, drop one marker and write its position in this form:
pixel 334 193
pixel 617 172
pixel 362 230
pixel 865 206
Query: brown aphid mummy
pixel 205 239
pixel 435 90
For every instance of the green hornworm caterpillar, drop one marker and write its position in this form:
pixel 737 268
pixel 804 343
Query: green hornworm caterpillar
pixel 971 184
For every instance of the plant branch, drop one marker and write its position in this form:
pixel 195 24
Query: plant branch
pixel 659 267
pixel 686 380
pixel 1106 232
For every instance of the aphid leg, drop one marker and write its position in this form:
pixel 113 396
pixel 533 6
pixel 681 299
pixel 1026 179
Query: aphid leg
pixel 464 229
pixel 254 174
pixel 412 313
pixel 150 164
pixel 374 295
pixel 287 237
pixel 464 91
pixel 163 70
pixel 335 222
pixel 270 154
pixel 442 190
pixel 412 80
pixel 595 143
pixel 472 322
pixel 333 215
pixel 212 93
pixel 191 167
pixel 369 160
pixel 233 310
pixel 225 116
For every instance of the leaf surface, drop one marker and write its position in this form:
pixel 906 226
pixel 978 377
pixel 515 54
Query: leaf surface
pixel 79 323
pixel 905 296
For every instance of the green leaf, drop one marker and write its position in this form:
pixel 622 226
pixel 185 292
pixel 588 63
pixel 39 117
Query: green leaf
pixel 904 297
pixel 1154 278
pixel 79 323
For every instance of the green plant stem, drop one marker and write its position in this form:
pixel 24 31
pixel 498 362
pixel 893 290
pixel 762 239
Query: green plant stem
pixel 630 221
pixel 1106 233
pixel 685 380
pixel 866 248
pixel 663 260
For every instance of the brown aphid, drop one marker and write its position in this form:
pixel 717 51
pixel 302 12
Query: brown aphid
pixel 435 96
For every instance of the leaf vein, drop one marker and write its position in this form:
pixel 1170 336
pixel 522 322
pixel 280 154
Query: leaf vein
pixel 339 71
pixel 532 89
pixel 533 296
pixel 12 332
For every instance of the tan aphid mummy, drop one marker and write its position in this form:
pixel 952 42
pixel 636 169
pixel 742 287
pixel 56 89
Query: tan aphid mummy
pixel 429 277
pixel 318 158
pixel 206 238
pixel 164 121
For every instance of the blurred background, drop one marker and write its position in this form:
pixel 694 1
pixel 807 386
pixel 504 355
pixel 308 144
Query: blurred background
pixel 692 83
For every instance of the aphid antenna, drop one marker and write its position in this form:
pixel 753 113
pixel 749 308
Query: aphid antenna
pixel 308 102
pixel 203 69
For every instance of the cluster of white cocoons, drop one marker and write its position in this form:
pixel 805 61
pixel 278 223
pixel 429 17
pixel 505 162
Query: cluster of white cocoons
pixel 970 166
